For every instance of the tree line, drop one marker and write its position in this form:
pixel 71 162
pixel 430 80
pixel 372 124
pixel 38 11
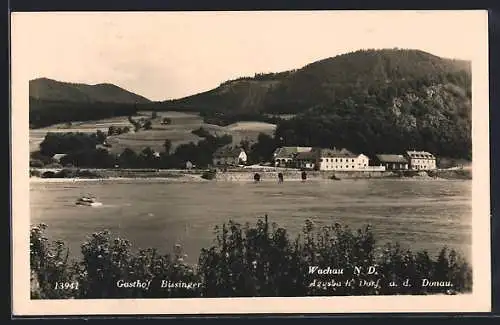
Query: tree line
pixel 80 150
pixel 45 113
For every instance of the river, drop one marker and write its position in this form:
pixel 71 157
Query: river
pixel 419 214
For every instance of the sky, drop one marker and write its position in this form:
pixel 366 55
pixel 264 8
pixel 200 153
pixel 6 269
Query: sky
pixel 167 55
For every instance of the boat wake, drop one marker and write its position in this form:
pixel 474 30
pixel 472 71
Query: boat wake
pixel 88 201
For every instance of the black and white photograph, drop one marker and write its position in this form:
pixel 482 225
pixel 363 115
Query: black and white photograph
pixel 300 161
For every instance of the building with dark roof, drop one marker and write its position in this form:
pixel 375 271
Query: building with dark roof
pixel 307 159
pixel 392 161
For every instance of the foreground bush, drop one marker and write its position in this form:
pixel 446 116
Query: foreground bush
pixel 246 261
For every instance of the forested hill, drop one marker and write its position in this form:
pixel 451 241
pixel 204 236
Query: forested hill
pixel 52 90
pixel 356 74
pixel 53 102
pixel 370 101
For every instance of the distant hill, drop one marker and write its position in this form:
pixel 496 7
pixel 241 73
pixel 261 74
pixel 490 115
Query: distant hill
pixel 53 102
pixel 367 100
pixel 353 74
pixel 371 101
pixel 362 74
pixel 52 90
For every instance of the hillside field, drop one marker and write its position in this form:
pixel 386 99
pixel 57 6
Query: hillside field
pixel 179 131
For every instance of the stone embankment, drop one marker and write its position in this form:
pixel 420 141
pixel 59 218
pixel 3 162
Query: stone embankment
pixel 291 175
pixel 248 174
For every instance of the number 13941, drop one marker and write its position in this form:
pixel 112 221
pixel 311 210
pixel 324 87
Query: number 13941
pixel 66 285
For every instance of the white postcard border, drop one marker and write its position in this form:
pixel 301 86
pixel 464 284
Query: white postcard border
pixel 479 300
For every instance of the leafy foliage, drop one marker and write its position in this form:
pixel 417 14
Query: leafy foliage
pixel 62 143
pixel 49 265
pixel 245 261
pixel 365 128
pixel 199 154
pixel 81 151
pixel 48 112
pixel 115 130
pixel 201 132
pixel 262 150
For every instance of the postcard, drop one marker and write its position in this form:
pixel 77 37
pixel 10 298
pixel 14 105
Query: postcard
pixel 250 162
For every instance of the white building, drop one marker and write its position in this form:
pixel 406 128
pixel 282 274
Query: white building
pixel 189 165
pixel 229 157
pixel 332 159
pixel 421 160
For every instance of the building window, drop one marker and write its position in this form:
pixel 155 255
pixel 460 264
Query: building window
pixel 336 160
pixel 353 160
pixel 353 167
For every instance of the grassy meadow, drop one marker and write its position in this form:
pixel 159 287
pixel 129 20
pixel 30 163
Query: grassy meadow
pixel 179 131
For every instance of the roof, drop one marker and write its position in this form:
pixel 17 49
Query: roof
pixel 226 152
pixel 420 154
pixel 289 152
pixel 307 155
pixel 337 153
pixel 391 158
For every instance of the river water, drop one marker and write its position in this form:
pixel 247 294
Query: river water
pixel 419 214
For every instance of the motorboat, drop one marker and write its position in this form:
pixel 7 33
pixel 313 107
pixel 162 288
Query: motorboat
pixel 88 201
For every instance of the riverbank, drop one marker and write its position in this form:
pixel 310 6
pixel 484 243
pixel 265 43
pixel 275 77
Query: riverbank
pixel 185 179
pixel 76 175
